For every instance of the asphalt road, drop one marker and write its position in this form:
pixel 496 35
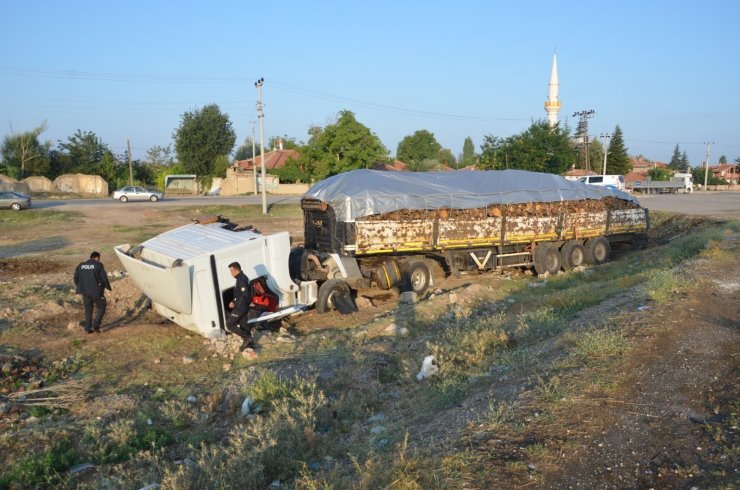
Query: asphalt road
pixel 721 204
pixel 72 204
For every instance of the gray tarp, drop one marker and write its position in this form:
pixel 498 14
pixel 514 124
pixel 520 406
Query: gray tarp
pixel 361 193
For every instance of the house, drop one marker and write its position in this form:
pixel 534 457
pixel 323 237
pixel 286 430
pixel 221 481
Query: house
pixel 729 172
pixel 273 159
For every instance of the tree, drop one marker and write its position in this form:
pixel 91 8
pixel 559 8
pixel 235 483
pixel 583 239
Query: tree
pixel 659 174
pixel 420 146
pixel 596 155
pixel 685 164
pixel 446 157
pixel 341 146
pixel 617 160
pixel 675 163
pixel 203 136
pixel 160 156
pixel 468 153
pixel 540 148
pixel 722 160
pixel 23 153
pixel 288 143
pixel 244 152
pixel 85 152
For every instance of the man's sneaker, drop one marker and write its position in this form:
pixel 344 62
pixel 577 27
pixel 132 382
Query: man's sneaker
pixel 249 354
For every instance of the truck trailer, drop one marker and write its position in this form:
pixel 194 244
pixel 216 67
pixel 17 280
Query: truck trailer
pixel 373 229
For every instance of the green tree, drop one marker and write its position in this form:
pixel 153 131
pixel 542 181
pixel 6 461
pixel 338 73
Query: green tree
pixel 288 143
pixel 685 164
pixel 23 154
pixel 660 174
pixel 341 146
pixel 292 172
pixel 446 157
pixel 675 163
pixel 540 149
pixel 85 152
pixel 596 155
pixel 244 151
pixel 203 136
pixel 160 156
pixel 420 146
pixel 468 152
pixel 722 160
pixel 617 160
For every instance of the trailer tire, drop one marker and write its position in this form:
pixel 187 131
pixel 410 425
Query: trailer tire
pixel 328 291
pixel 546 259
pixel 387 275
pixel 598 250
pixel 417 277
pixel 572 254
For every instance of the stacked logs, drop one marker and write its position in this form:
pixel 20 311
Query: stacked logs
pixel 538 209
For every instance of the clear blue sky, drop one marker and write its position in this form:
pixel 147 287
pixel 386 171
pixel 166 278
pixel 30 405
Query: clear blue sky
pixel 666 71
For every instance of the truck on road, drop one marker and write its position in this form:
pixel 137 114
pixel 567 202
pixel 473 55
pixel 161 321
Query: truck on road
pixel 679 182
pixel 372 229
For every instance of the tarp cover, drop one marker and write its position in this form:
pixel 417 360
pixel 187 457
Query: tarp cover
pixel 361 193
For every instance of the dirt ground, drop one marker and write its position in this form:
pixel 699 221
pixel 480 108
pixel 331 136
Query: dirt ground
pixel 664 426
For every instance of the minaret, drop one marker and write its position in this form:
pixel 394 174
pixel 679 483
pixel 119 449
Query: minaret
pixel 552 104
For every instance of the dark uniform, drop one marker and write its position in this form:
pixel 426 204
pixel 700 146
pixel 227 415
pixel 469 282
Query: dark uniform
pixel 237 320
pixel 90 281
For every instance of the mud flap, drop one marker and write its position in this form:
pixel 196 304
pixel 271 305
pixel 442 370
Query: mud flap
pixel 344 303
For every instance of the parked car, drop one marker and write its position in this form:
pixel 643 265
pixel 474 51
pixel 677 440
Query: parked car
pixel 611 181
pixel 14 200
pixel 136 193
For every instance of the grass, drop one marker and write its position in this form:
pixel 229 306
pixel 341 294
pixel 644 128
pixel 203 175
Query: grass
pixel 237 213
pixel 38 217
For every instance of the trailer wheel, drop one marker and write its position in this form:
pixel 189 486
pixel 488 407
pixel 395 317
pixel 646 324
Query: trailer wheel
pixel 597 250
pixel 417 277
pixel 387 275
pixel 334 294
pixel 572 254
pixel 546 259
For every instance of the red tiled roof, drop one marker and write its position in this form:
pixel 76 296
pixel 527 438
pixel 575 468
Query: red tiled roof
pixel 273 159
pixel 579 172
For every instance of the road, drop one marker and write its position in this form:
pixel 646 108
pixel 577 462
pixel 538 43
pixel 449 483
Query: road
pixel 721 204
pixel 73 204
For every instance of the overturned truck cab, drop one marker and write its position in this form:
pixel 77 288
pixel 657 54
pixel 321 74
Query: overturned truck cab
pixel 185 273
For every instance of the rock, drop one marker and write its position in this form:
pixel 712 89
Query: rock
pixel 438 291
pixel 274 485
pixel 247 406
pixel 192 399
pixel 407 298
pixel 72 326
pixel 32 420
pixel 285 338
pixel 528 272
pixel 453 298
pixel 188 359
pixel 227 366
pixel 376 418
pixel 7 367
pixel 403 331
pixel 428 368
pixel 363 302
pixel 537 284
pixel 249 354
pixel 149 422
pixel 157 361
pixel 474 289
pixel 378 429
pixel 151 486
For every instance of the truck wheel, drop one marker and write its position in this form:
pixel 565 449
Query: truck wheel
pixel 546 259
pixel 418 277
pixel 572 254
pixel 331 294
pixel 597 250
pixel 124 198
pixel 387 275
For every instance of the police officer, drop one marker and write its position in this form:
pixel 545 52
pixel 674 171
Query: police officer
pixel 91 281
pixel 236 322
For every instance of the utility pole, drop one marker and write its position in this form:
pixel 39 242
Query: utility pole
pixel 606 137
pixel 583 132
pixel 706 163
pixel 261 117
pixel 130 166
pixel 254 159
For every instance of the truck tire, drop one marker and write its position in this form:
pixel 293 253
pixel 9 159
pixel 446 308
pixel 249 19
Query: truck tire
pixel 417 277
pixel 597 250
pixel 546 259
pixel 387 275
pixel 329 293
pixel 572 254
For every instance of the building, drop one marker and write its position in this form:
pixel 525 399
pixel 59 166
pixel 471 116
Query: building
pixel 552 104
pixel 726 171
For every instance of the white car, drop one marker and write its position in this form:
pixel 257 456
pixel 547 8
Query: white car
pixel 136 193
pixel 611 181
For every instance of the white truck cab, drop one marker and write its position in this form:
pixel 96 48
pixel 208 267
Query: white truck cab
pixel 611 181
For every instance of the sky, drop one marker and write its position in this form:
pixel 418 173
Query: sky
pixel 667 72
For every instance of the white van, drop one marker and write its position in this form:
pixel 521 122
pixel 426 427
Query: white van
pixel 611 181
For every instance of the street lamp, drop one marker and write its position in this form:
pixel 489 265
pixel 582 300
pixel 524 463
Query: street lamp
pixel 605 136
